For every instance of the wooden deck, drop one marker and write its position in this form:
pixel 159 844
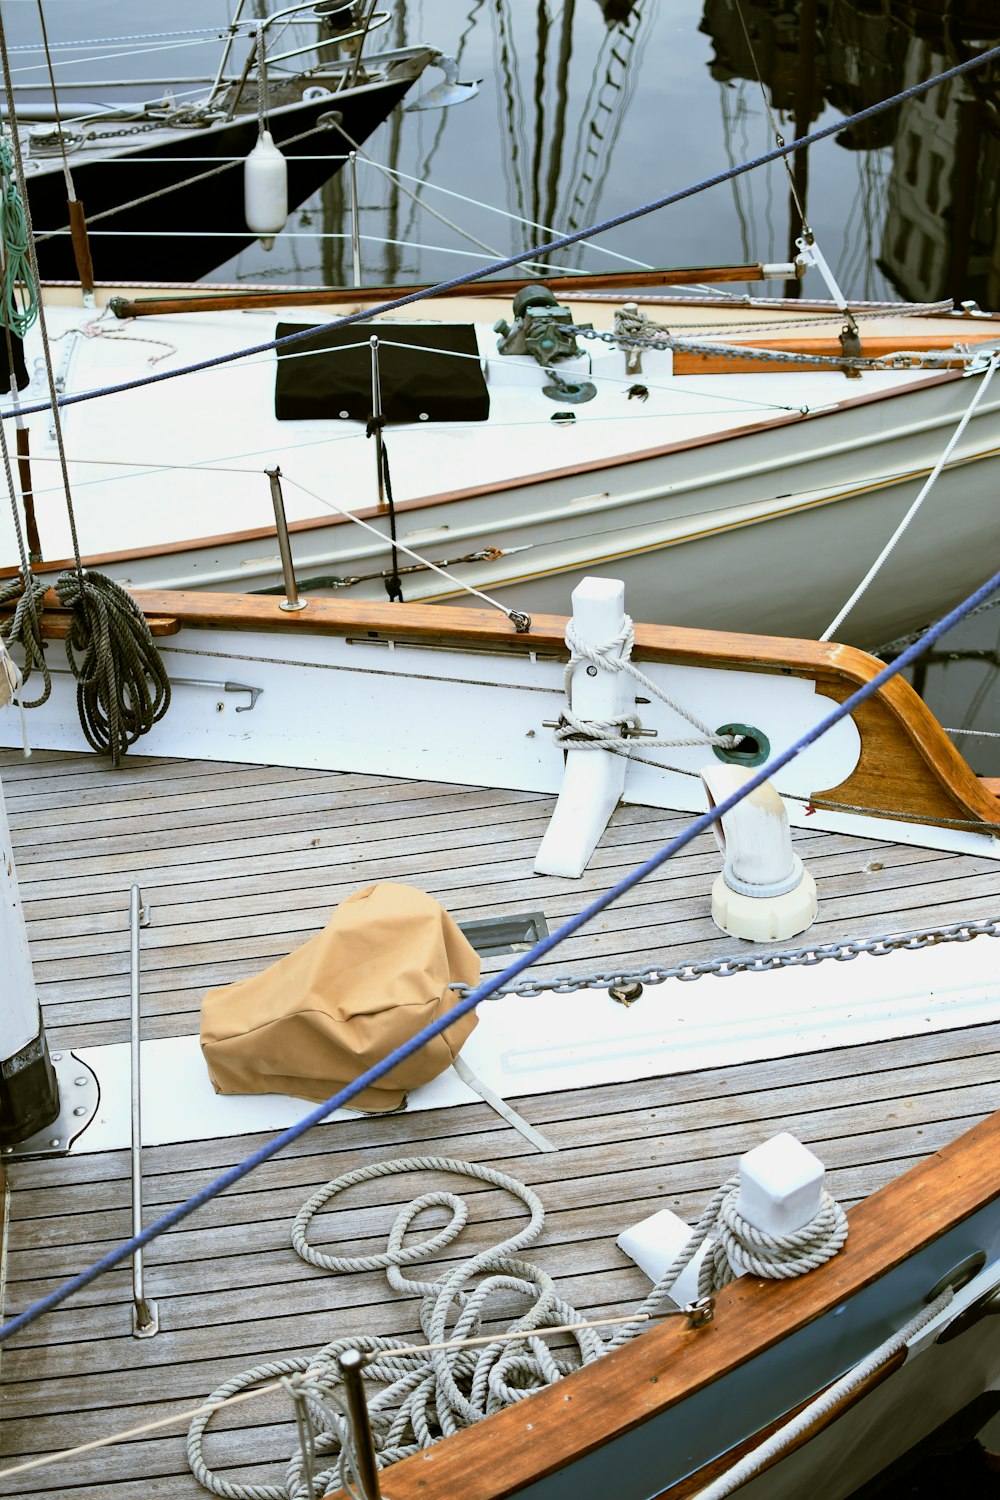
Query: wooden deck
pixel 239 864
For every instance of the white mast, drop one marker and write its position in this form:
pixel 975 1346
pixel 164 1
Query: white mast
pixel 29 1094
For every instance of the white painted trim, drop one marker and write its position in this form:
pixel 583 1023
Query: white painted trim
pixel 20 1018
pixel 548 1043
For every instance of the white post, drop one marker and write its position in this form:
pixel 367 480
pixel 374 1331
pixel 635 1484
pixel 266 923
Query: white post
pixel 19 1006
pixel 593 780
pixel 781 1190
pixel 29 1095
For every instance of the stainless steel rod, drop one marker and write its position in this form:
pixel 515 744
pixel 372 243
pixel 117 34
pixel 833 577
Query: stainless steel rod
pixel 227 49
pixel 291 600
pixel 145 1319
pixel 377 415
pixel 352 1363
pixel 352 157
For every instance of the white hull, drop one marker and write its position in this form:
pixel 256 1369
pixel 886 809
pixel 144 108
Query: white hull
pixel 717 502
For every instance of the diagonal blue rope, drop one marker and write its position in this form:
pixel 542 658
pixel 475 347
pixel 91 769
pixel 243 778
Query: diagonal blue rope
pixel 441 287
pixel 400 1054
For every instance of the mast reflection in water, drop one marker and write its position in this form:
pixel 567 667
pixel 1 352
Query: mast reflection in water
pixel 936 232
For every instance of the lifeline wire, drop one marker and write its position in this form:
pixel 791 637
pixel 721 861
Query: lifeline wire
pixel 482 992
pixel 993 55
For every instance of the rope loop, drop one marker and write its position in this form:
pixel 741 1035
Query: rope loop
pixel 122 685
pixel 23 627
pixel 615 734
pixel 425 1394
pixel 779 1257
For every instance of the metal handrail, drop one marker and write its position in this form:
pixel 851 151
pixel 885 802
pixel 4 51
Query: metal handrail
pixel 145 1315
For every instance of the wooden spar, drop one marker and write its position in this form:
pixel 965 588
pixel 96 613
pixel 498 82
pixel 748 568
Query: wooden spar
pixel 24 475
pixel 613 281
pixel 873 346
pixel 81 246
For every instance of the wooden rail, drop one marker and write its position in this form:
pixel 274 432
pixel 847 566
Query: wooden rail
pixel 908 768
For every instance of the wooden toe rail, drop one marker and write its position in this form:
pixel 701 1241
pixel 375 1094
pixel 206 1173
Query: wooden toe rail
pixel 908 769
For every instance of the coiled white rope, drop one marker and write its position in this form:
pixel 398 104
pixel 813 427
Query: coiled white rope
pixel 607 734
pixel 432 1392
pixel 729 1235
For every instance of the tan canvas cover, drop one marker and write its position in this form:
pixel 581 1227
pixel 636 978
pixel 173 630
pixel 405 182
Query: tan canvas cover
pixel 313 1021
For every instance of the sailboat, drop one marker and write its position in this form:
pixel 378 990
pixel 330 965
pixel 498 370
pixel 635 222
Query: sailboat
pixel 493 769
pixel 311 753
pixel 730 470
pixel 178 160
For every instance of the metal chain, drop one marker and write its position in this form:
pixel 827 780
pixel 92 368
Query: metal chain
pixel 903 360
pixel 179 119
pixel 756 963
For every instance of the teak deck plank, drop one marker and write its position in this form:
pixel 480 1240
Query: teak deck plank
pixel 243 863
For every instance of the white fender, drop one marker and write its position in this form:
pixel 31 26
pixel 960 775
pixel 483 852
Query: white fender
pixel 265 189
pixel 764 892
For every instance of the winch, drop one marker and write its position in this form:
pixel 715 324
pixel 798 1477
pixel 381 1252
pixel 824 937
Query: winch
pixel 542 327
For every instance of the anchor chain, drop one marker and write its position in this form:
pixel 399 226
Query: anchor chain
pixel 756 963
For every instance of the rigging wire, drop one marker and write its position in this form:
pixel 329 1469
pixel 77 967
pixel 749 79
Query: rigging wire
pixel 70 189
pixel 779 138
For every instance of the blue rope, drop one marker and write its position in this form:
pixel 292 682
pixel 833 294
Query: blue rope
pixel 400 1054
pixel 516 260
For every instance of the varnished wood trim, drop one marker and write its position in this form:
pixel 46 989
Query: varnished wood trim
pixel 55 625
pixel 473 492
pixel 873 346
pixel 663 1367
pixel 908 766
pixel 613 282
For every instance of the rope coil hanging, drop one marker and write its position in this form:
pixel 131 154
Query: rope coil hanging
pixel 122 688
pixel 430 1394
pixel 20 301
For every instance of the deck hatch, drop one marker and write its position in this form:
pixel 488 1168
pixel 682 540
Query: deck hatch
pixel 516 934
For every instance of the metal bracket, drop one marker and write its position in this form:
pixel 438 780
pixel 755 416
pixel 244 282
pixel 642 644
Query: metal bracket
pixel 226 687
pixel 145 1319
pixel 573 391
pixel 850 344
pixel 79 1097
pixel 699 1313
